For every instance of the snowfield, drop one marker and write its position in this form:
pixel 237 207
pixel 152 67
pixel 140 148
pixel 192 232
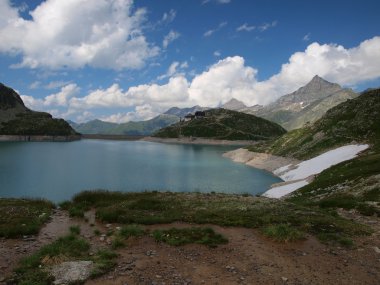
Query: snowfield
pixel 279 191
pixel 299 172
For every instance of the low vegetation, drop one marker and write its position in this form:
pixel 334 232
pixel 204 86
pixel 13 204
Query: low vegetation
pixel 219 209
pixel 20 217
pixel 174 236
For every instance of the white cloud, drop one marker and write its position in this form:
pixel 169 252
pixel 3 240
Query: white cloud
pixel 35 85
pixel 217 53
pixel 210 32
pixel 245 27
pixel 216 1
pixel 103 33
pixel 226 79
pixel 58 99
pixel 62 98
pixel 306 37
pixel 170 37
pixel 175 68
pixel 266 26
pixel 169 16
pixel 229 78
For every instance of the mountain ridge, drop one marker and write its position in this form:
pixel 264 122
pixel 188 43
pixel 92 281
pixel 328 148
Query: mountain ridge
pixel 18 120
pixel 223 124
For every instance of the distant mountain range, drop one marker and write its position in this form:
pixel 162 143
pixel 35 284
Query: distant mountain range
pixel 224 124
pixel 291 111
pixel 17 119
pixel 306 105
pixel 147 127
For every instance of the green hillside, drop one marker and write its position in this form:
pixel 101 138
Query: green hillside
pixel 16 119
pixel 355 120
pixel 351 185
pixel 224 124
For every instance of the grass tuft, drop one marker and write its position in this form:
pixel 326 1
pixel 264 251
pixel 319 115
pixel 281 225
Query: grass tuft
pixel 283 233
pixel 177 237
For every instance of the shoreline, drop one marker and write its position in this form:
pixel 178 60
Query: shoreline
pixel 200 141
pixel 38 138
pixel 295 174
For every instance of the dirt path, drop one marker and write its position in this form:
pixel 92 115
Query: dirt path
pixel 248 258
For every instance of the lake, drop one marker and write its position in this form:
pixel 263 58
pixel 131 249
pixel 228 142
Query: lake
pixel 57 171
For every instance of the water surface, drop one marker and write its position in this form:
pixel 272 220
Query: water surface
pixel 57 171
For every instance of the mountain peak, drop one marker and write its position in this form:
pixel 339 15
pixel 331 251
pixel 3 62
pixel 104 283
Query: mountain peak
pixel 234 105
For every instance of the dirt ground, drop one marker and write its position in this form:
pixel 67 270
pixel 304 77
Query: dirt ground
pixel 248 258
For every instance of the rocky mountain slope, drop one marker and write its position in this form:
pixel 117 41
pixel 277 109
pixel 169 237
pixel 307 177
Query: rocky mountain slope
pixel 224 124
pixel 16 119
pixel 355 120
pixel 182 112
pixel 306 105
pixel 234 105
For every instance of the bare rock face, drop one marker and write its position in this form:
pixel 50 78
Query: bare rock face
pixel 234 105
pixel 305 105
pixel 72 271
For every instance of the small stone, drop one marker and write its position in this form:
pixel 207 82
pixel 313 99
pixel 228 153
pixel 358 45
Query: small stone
pixel 376 249
pixel 284 279
pixel 108 226
pixel 158 276
pixel 102 238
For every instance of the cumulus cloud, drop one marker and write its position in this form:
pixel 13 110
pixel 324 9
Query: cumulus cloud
pixel 170 37
pixel 229 78
pixel 104 33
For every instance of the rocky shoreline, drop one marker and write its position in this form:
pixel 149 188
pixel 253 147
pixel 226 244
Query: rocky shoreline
pixel 26 138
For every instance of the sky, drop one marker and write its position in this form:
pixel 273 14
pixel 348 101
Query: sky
pixel 124 60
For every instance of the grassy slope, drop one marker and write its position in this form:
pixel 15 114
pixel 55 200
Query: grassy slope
pixel 36 123
pixel 355 120
pixel 353 184
pixel 224 124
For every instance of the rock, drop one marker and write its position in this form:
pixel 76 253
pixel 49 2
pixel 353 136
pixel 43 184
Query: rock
pixel 72 271
pixel 284 279
pixel 376 249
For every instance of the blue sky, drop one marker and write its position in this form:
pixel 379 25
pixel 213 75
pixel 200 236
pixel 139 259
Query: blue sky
pixel 122 60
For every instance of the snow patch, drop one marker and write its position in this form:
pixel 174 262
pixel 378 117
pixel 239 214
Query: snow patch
pixel 301 171
pixel 318 164
pixel 279 191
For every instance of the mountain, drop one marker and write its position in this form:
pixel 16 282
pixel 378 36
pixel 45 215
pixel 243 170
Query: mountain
pixel 353 121
pixel 17 119
pixel 147 127
pixel 234 105
pixel 130 128
pixel 224 124
pixel 182 112
pixel 306 105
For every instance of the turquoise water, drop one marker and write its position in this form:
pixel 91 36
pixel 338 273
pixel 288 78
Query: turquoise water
pixel 57 171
